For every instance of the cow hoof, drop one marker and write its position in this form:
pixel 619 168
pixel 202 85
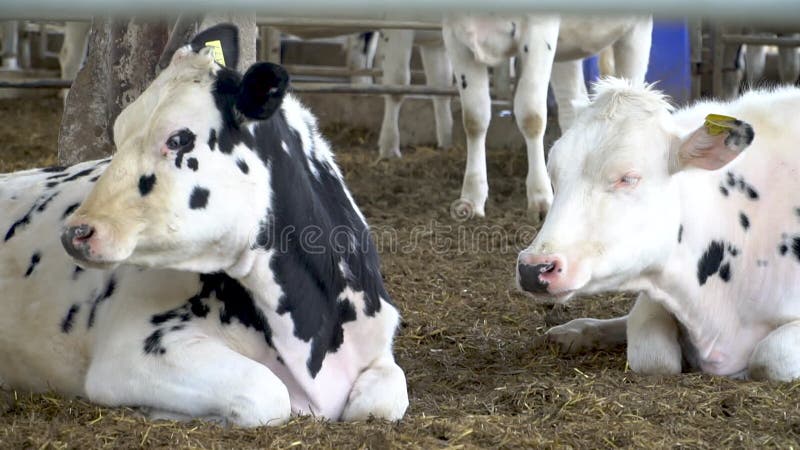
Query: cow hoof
pixel 576 336
pixel 390 154
pixel 463 209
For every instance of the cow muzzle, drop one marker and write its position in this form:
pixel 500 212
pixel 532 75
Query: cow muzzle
pixel 538 273
pixel 77 241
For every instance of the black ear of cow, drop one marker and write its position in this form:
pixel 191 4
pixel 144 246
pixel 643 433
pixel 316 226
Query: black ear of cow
pixel 262 90
pixel 224 39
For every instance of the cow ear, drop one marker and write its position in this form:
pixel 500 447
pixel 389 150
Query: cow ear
pixel 262 90
pixel 223 39
pixel 716 143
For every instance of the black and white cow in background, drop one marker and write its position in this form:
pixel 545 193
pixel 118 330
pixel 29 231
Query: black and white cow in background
pixel 475 42
pixel 224 270
pixel 658 203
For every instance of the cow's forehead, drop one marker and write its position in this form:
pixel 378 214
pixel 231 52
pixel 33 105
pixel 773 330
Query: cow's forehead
pixel 186 81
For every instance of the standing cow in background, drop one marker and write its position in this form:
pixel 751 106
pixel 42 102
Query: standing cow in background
pixel 658 203
pixel 218 173
pixel 474 42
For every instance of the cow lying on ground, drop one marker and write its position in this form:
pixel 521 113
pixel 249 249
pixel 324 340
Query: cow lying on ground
pixel 658 203
pixel 474 42
pixel 222 174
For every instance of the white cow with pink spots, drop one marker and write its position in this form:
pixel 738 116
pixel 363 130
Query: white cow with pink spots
pixel 661 203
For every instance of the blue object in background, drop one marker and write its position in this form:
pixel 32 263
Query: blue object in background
pixel 670 61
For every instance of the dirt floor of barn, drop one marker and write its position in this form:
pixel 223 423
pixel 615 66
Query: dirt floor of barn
pixel 468 342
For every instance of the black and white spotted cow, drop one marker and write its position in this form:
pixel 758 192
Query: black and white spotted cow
pixel 223 269
pixel 658 203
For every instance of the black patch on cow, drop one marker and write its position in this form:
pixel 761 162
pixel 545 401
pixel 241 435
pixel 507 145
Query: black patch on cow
pixel 35 258
pixel 311 280
pixel 743 186
pixel 725 272
pixel 733 250
pixel 525 48
pixel 212 139
pixel 796 247
pixel 797 211
pixel 724 190
pixel 243 166
pixel 199 198
pixel 740 136
pixel 192 164
pixel 93 179
pixel 549 47
pixel 680 233
pixel 51 184
pixel 80 174
pixel 783 249
pixel 20 223
pixel 69 319
pixel 43 205
pixel 226 91
pixel 751 193
pixel 146 183
pixel 731 179
pixel 152 343
pixel 54 169
pixel 57 176
pixel 744 221
pixel 70 209
pixel 186 138
pixel 100 298
pixel 513 29
pixel 76 272
pixel 463 81
pixel 709 263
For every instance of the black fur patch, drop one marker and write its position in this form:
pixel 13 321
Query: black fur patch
pixel 549 47
pixel 146 183
pixel 513 29
pixel 152 343
pixel 69 319
pixel 709 263
pixel 190 137
pixel 43 205
pixel 20 223
pixel 35 258
pixel 76 272
pixel 725 272
pixel 525 48
pixel 463 81
pixel 70 209
pixel 741 136
pixel 744 221
pixel 243 166
pixel 105 295
pixel 57 176
pixel 212 139
pixel 93 179
pixel 723 190
pixel 783 249
pixel 796 247
pixel 192 164
pixel 680 233
pixel 80 174
pixel 199 198
pixel 54 169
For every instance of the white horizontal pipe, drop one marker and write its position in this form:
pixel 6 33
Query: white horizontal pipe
pixel 745 10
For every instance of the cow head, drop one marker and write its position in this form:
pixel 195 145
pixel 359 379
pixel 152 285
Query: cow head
pixel 615 214
pixel 184 189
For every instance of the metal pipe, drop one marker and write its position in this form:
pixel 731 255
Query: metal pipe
pixel 366 24
pixel 330 71
pixel 760 40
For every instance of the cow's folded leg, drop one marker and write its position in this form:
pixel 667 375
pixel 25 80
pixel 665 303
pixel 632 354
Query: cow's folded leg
pixel 777 357
pixel 653 345
pixel 586 334
pixel 187 376
pixel 379 391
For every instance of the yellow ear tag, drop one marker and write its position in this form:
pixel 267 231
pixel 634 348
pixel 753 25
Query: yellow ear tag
pixel 717 124
pixel 216 49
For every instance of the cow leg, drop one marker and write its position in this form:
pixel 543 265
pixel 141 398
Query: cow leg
pixel 196 376
pixel 581 335
pixel 789 63
pixel 379 391
pixel 397 56
pixel 439 73
pixel 755 60
pixel 530 109
pixel 472 79
pixel 653 346
pixel 569 90
pixel 777 357
pixel 360 54
pixel 632 51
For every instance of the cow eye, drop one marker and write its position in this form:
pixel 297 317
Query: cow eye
pixel 180 139
pixel 628 180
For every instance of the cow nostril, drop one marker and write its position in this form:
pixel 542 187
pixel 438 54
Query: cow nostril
pixel 82 232
pixel 547 267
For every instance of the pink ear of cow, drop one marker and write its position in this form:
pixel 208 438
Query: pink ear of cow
pixel 716 143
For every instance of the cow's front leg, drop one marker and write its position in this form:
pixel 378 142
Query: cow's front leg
pixel 395 57
pixel 777 356
pixel 580 335
pixel 379 391
pixel 569 89
pixel 472 79
pixel 653 345
pixel 181 373
pixel 439 73
pixel 538 46
pixel 632 51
